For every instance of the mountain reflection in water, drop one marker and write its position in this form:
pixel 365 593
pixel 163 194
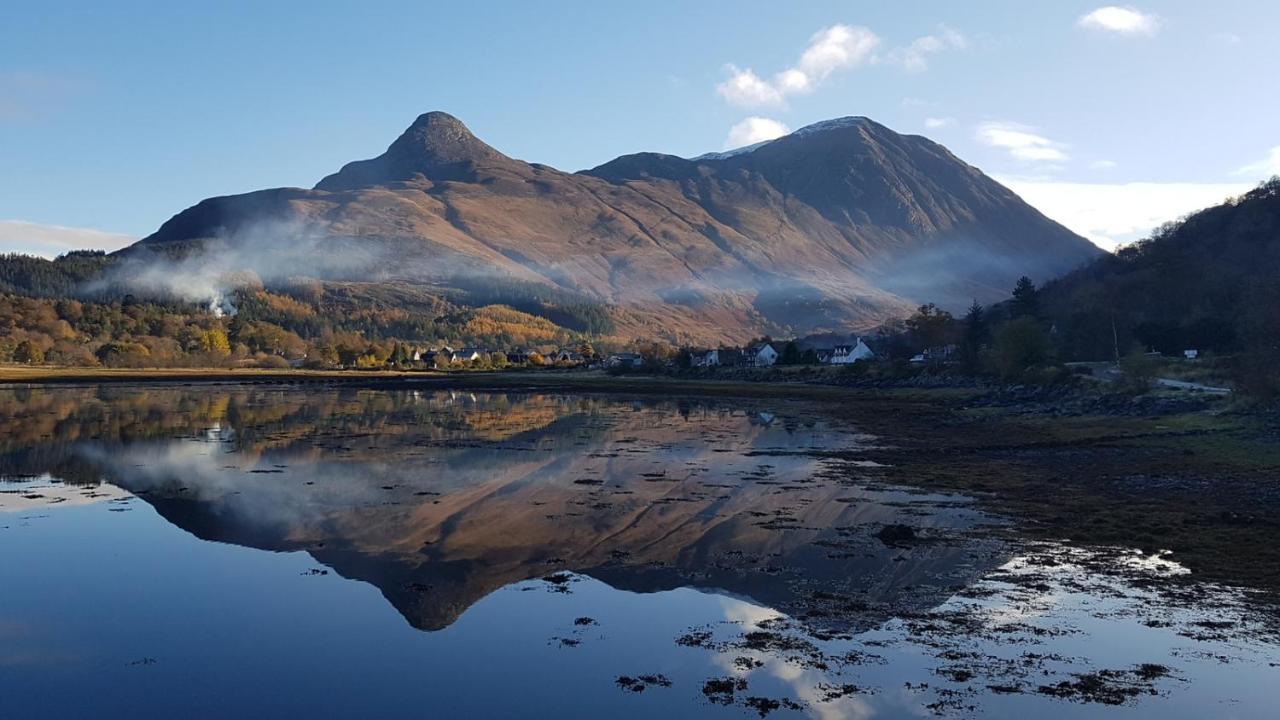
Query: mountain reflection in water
pixel 438 499
pixel 566 556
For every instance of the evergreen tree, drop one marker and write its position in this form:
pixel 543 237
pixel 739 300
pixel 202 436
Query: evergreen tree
pixel 975 335
pixel 1026 299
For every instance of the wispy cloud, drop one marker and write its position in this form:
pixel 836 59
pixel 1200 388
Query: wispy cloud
pixel 839 47
pixel 28 95
pixel 1021 142
pixel 1266 167
pixel 52 240
pixel 1103 165
pixel 1125 20
pixel 754 130
pixel 915 57
pixel 937 123
pixel 1111 214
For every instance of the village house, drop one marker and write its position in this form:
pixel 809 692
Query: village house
pixel 848 354
pixel 761 355
pixel 569 357
pixel 630 360
pixel 704 359
pixel 935 355
pixel 462 355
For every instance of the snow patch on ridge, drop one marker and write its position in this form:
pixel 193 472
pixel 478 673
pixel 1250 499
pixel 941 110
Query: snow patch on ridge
pixel 732 153
pixel 834 124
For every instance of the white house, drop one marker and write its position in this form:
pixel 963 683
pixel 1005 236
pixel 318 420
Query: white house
pixel 762 355
pixel 1191 354
pixel 710 358
pixel 632 360
pixel 466 355
pixel 849 354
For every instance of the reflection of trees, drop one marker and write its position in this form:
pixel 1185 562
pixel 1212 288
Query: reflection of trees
pixel 39 424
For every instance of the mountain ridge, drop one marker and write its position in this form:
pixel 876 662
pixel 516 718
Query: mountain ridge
pixel 840 225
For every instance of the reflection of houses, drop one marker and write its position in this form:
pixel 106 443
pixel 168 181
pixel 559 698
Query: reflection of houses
pixel 709 358
pixel 631 360
pixel 761 355
pixel 848 354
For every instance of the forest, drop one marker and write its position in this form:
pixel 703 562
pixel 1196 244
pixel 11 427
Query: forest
pixel 52 311
pixel 1208 283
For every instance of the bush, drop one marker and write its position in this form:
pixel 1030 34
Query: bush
pixel 1139 370
pixel 1020 344
pixel 271 362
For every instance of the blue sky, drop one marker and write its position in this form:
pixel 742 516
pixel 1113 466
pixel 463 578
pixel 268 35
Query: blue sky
pixel 115 116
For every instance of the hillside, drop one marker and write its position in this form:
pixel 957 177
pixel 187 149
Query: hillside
pixel 838 226
pixel 1207 282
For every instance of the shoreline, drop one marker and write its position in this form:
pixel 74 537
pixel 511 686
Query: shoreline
pixel 540 380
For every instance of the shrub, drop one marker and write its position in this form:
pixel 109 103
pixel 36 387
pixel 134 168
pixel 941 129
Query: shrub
pixel 1022 343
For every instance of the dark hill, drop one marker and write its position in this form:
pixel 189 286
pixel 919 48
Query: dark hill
pixel 1208 282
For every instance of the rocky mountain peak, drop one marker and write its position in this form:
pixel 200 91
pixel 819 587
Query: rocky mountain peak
pixel 436 146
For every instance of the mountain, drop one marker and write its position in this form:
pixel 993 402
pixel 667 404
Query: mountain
pixel 837 226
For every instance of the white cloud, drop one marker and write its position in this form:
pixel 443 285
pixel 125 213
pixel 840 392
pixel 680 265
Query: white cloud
pixel 1264 168
pixel 839 47
pixel 747 89
pixel 915 57
pixel 1021 142
pixel 754 130
pixel 831 49
pixel 52 240
pixel 1113 214
pixel 1103 165
pixel 1126 20
pixel 1226 38
pixel 935 123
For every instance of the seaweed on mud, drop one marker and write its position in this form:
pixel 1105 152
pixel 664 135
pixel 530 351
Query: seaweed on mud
pixel 1108 687
pixel 722 691
pixel 764 706
pixel 641 683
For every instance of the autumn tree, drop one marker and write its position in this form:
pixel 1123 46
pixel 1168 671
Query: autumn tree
pixel 28 352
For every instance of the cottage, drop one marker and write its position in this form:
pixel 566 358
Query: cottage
pixel 709 358
pixel 518 356
pixel 629 360
pixel 462 355
pixel 761 355
pixel 849 354
pixel 1191 354
pixel 936 355
pixel 569 357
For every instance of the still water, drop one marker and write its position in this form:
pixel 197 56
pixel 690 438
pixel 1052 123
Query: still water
pixel 262 551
